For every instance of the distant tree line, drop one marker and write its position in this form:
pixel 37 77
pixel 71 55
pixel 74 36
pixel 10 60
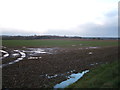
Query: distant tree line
pixel 50 37
pixel 35 37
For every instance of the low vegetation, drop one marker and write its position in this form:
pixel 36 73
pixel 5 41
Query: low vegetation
pixel 66 55
pixel 58 43
pixel 104 76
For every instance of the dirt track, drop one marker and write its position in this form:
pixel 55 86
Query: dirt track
pixel 32 73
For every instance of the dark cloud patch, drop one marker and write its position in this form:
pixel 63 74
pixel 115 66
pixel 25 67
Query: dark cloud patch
pixel 93 29
pixel 109 28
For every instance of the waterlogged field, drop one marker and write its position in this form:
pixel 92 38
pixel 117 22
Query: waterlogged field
pixel 52 63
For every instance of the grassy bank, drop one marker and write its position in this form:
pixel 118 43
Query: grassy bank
pixel 53 43
pixel 104 76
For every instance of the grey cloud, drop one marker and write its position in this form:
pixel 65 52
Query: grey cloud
pixel 109 28
pixel 100 30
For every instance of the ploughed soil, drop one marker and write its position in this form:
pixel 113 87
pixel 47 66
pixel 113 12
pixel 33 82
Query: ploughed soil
pixel 30 73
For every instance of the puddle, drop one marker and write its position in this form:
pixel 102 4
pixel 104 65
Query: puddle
pixel 30 53
pixel 23 55
pixel 3 47
pixel 71 79
pixel 38 51
pixel 90 53
pixel 34 57
pixel 52 76
pixel 93 47
pixel 5 54
pixel 93 64
pixel 15 54
pixel 57 75
pixel 89 48
pixel 73 45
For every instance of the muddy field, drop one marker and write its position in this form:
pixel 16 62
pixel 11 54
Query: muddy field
pixel 45 67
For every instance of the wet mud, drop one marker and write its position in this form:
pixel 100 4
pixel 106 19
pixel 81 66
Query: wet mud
pixel 45 70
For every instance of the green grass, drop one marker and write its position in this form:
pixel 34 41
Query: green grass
pixel 104 76
pixel 52 43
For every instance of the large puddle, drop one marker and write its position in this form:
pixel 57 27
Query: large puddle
pixel 71 79
pixel 39 51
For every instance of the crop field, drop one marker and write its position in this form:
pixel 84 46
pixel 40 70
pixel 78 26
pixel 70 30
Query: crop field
pixel 46 63
pixel 61 43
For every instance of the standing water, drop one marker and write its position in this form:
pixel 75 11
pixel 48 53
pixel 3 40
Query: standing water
pixel 72 79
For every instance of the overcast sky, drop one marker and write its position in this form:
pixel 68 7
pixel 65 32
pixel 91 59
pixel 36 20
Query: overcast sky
pixel 59 17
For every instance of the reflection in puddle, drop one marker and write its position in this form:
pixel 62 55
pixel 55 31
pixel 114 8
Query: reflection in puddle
pixel 72 79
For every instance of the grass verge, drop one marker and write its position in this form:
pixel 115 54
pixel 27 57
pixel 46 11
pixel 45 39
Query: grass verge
pixel 104 76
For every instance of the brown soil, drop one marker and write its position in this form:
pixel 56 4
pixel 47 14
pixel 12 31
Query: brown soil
pixel 26 73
